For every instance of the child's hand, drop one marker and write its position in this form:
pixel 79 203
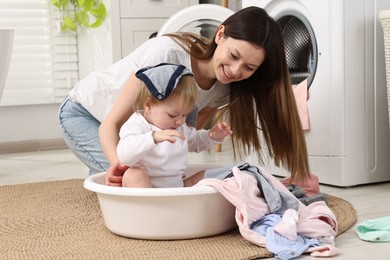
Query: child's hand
pixel 166 135
pixel 219 131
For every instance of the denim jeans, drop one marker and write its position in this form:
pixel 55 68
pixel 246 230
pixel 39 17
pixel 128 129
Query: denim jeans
pixel 81 133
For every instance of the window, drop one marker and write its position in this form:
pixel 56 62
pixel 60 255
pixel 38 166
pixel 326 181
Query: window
pixel 44 63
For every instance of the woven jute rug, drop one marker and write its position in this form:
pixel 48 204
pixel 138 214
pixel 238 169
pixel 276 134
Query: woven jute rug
pixel 62 220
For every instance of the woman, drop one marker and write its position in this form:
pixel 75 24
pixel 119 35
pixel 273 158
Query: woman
pixel 244 66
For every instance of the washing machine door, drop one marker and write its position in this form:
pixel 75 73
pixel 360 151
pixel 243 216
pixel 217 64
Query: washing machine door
pixel 202 19
pixel 299 38
pixel 300 46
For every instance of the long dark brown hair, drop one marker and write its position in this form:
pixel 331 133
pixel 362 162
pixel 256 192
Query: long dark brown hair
pixel 263 106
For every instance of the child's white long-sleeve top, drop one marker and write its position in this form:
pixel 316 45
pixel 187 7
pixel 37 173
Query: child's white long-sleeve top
pixel 164 162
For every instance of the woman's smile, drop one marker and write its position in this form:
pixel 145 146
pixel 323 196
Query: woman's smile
pixel 226 72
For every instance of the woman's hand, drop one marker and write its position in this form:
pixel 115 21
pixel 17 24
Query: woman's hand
pixel 114 175
pixel 219 131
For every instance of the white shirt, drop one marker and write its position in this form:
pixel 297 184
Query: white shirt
pixel 98 91
pixel 164 162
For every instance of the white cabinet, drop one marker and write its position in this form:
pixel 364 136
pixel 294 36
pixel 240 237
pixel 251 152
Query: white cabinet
pixel 140 19
pixel 135 31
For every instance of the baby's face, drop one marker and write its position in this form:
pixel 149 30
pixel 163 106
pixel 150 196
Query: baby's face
pixel 167 114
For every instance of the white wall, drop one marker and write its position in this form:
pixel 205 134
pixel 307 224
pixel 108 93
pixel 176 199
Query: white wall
pixel 39 122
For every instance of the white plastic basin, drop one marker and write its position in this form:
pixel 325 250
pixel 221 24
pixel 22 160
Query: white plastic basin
pixel 162 213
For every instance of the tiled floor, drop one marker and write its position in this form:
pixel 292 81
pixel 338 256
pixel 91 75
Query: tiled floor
pixel 370 201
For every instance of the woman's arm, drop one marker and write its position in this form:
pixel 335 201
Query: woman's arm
pixel 109 129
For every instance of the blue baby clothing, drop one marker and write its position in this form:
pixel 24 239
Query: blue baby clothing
pixel 282 247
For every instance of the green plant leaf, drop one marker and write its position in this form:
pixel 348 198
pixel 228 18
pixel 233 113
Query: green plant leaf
pixel 60 4
pixel 55 3
pixel 87 5
pixel 69 24
pixel 97 23
pixel 82 18
pixel 84 11
pixel 99 12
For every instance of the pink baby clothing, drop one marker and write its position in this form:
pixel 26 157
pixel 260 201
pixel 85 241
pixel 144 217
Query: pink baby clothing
pixel 315 221
pixel 243 193
pixel 311 186
pixel 301 97
pixel 287 227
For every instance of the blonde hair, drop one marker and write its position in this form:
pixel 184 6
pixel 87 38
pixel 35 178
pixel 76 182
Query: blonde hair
pixel 185 91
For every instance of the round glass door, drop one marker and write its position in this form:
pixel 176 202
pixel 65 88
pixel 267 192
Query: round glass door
pixel 300 46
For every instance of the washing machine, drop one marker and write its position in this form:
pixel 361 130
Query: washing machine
pixel 337 45
pixel 202 19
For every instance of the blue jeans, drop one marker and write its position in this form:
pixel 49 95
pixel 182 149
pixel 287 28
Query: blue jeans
pixel 81 133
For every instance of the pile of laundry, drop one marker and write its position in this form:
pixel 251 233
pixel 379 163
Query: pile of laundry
pixel 269 215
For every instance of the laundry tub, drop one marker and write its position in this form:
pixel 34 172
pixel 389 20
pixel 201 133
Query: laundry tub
pixel 384 18
pixel 163 213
